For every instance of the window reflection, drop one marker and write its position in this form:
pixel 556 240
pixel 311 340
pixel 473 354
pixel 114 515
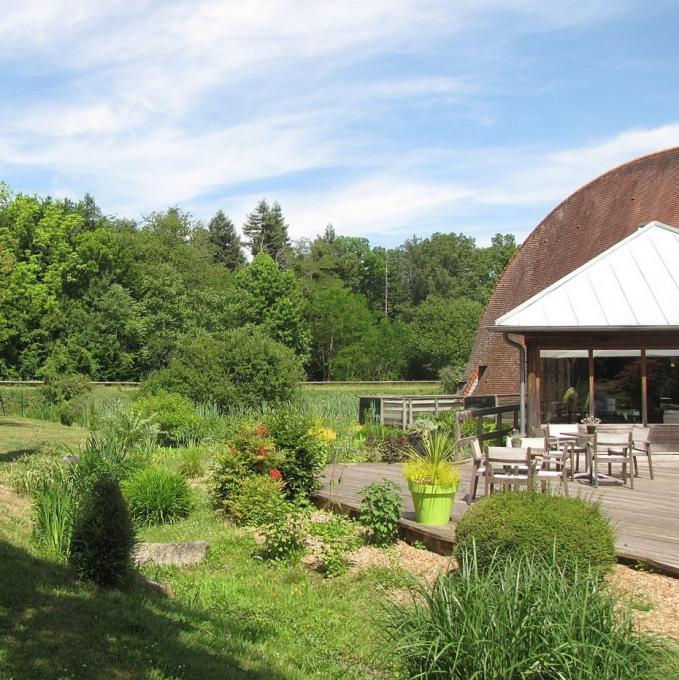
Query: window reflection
pixel 564 388
pixel 662 368
pixel 617 386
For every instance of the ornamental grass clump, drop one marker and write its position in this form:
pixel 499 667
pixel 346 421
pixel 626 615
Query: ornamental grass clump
pixel 523 617
pixel 512 523
pixel 156 496
pixel 434 465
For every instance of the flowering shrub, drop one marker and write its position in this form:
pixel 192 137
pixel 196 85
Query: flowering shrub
pixel 303 447
pixel 258 500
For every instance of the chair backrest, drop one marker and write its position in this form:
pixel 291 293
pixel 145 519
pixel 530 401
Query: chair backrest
pixel 605 439
pixel 477 451
pixel 641 434
pixel 556 429
pixel 507 455
pixel 530 442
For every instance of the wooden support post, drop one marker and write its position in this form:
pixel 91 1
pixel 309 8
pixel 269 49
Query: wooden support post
pixel 591 382
pixel 532 412
pixel 404 415
pixel 644 389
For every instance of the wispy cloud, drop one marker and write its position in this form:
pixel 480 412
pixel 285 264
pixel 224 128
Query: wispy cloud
pixel 210 103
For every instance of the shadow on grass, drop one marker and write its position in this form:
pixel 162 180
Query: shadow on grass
pixel 11 456
pixel 52 626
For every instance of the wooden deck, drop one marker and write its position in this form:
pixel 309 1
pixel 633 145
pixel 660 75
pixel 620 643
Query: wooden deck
pixel 646 519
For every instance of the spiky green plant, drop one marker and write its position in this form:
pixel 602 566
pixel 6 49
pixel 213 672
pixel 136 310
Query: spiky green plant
pixel 156 496
pixel 524 618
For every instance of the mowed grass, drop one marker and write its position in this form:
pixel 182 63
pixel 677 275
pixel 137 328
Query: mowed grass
pixel 233 617
pixel 24 436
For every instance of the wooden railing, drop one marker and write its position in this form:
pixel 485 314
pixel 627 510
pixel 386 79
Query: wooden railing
pixel 502 429
pixel 404 411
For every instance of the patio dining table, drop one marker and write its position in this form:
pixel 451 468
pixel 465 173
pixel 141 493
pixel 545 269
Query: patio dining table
pixel 589 441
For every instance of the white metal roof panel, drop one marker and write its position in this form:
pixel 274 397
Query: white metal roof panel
pixel 633 284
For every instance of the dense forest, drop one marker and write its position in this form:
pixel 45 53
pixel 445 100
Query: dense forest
pixel 111 298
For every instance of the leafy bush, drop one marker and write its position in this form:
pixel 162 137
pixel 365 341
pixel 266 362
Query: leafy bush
pixel 514 523
pixel 380 510
pixel 249 451
pixel 303 449
pixel 450 376
pixel 103 536
pixel 63 387
pixel 284 539
pixel 130 428
pixel 227 473
pixel 242 367
pixel 66 413
pixel 386 445
pixel 52 518
pixel 468 428
pixel 258 500
pixel 174 415
pixel 156 496
pixel 521 617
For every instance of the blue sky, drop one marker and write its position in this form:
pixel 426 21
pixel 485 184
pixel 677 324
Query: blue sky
pixel 387 118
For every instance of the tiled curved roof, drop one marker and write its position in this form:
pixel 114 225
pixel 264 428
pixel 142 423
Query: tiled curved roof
pixel 587 223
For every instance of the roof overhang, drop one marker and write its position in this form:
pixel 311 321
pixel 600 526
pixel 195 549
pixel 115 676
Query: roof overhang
pixel 560 330
pixel 631 287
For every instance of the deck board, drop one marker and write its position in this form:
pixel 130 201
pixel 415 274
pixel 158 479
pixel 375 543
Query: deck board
pixel 645 519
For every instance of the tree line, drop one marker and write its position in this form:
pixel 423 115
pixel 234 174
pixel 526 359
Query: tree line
pixel 111 298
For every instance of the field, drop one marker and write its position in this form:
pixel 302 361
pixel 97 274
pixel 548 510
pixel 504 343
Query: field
pixel 335 404
pixel 23 436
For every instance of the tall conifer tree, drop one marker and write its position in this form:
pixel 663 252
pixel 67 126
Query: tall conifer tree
pixel 267 232
pixel 225 242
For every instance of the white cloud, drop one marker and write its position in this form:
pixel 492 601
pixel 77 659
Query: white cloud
pixel 370 207
pixel 542 176
pixel 155 102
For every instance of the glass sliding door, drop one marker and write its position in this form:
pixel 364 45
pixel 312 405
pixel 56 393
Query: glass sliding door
pixel 564 385
pixel 617 386
pixel 662 369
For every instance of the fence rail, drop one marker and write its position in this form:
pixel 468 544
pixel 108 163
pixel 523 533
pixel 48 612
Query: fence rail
pixel 404 411
pixel 499 433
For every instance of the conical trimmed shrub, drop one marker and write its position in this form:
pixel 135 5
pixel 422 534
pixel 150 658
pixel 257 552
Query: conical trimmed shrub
pixel 103 535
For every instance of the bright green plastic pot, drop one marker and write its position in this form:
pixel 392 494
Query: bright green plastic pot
pixel 433 504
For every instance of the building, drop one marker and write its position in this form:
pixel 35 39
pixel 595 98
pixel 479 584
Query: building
pixel 591 301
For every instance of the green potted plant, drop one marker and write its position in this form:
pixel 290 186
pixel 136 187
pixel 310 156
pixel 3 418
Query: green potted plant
pixel 515 438
pixel 433 477
pixel 590 422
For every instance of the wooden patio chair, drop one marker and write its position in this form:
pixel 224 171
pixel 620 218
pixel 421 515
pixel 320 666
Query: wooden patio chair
pixel 546 458
pixel 641 447
pixel 478 469
pixel 557 441
pixel 511 467
pixel 613 448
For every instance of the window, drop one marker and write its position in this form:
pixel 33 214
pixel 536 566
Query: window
pixel 662 369
pixel 617 386
pixel 564 385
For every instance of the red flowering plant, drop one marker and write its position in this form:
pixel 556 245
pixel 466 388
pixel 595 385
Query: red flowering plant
pixel 256 448
pixel 249 452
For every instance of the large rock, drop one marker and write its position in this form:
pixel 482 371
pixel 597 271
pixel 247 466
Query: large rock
pixel 175 554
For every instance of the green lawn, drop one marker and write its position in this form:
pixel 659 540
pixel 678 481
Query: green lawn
pixel 23 436
pixel 233 617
